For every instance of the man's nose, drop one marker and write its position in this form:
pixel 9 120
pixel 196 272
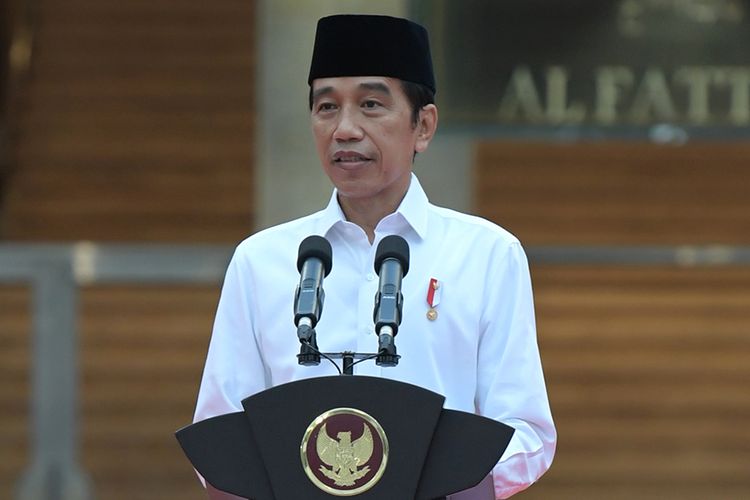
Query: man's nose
pixel 348 127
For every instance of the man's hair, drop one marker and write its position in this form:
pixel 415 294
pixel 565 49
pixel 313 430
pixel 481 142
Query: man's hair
pixel 417 94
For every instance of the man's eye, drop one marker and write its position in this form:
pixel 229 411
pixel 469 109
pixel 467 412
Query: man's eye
pixel 370 104
pixel 326 106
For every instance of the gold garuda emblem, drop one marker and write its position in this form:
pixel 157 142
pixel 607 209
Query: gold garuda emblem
pixel 344 452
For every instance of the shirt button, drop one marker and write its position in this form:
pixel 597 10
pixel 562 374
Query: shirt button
pixel 370 276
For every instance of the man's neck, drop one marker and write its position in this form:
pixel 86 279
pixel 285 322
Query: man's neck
pixel 367 212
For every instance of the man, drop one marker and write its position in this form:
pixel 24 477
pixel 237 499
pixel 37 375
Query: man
pixel 468 329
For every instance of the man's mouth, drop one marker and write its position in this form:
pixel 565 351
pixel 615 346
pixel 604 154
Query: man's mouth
pixel 347 157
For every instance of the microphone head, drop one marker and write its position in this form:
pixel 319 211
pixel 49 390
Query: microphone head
pixel 393 247
pixel 318 247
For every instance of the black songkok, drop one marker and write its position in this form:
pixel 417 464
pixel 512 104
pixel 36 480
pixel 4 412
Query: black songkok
pixel 364 45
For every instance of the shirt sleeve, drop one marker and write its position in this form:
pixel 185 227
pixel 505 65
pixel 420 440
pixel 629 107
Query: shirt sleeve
pixel 511 386
pixel 234 366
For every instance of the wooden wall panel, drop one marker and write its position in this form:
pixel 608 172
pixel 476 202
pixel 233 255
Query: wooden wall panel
pixel 647 371
pixel 647 367
pixel 138 124
pixel 15 353
pixel 141 359
pixel 616 193
pixel 142 353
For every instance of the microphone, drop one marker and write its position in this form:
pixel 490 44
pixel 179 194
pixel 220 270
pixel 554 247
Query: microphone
pixel 391 264
pixel 314 262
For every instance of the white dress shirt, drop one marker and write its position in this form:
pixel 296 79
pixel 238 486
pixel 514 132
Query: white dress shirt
pixel 480 352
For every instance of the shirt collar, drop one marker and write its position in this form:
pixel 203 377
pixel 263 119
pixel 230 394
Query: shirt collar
pixel 412 211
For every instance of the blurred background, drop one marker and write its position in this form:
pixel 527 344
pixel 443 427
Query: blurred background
pixel 140 140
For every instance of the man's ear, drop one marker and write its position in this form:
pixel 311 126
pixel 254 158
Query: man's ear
pixel 426 127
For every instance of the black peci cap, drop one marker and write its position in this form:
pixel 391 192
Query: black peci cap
pixel 366 45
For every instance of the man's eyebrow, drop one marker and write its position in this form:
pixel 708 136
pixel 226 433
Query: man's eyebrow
pixel 370 86
pixel 321 91
pixel 376 87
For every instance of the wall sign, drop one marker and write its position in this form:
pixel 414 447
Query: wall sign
pixel 589 62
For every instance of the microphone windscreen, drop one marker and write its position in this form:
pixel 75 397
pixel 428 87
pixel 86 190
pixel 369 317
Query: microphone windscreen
pixel 393 247
pixel 318 247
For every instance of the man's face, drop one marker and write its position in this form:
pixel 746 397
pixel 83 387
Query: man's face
pixel 365 136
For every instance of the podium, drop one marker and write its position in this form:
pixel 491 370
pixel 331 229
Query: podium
pixel 344 436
